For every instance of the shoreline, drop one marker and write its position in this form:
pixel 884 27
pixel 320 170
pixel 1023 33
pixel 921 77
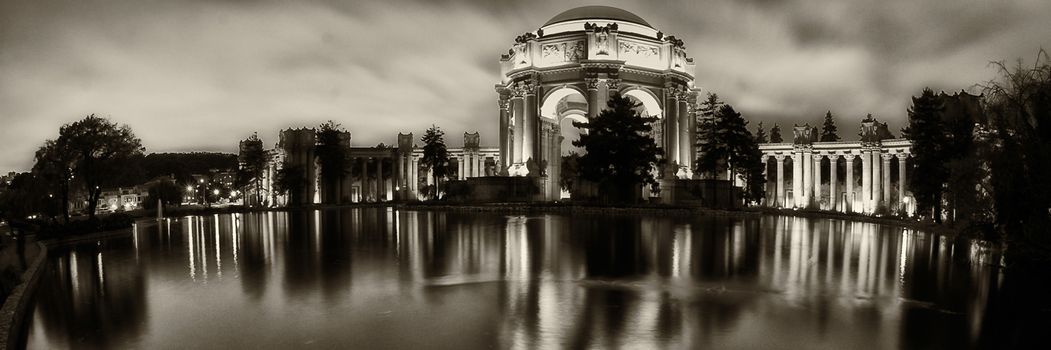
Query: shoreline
pixel 13 314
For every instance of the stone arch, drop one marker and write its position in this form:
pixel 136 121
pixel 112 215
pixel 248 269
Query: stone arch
pixel 549 104
pixel 649 101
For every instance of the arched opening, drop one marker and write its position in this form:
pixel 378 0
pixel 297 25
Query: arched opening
pixel 563 106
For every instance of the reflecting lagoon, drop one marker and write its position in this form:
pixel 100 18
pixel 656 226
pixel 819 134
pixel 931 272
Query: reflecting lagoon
pixel 386 278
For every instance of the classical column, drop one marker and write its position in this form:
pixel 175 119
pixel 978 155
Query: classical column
pixel 504 124
pixel 479 163
pixel 594 105
pixel 529 140
pixel 364 161
pixel 381 192
pixel 808 176
pixel 833 196
pixel 671 112
pixel 849 205
pixel 684 130
pixel 780 180
pixel 902 163
pixel 691 117
pixel 797 177
pixel 460 163
pixel 866 178
pixel 518 106
pixel 886 178
pixel 817 179
pixel 414 177
pixel 877 194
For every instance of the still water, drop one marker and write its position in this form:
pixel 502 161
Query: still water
pixel 383 278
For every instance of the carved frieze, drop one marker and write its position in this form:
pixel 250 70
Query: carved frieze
pixel 563 52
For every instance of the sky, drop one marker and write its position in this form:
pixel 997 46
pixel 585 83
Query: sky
pixel 199 75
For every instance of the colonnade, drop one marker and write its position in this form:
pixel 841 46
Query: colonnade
pixel 373 184
pixel 808 189
pixel 470 164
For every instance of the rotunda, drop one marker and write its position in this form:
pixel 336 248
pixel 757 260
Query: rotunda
pixel 566 70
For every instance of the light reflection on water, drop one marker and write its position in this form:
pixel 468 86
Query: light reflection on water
pixel 383 278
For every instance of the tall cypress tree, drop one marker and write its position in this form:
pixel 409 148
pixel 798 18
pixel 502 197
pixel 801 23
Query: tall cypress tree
pixel 828 129
pixel 620 152
pixel 929 172
pixel 435 157
pixel 760 134
pixel 775 134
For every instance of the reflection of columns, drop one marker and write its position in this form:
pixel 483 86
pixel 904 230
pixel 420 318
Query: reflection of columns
pixel 780 180
pixel 797 177
pixel 671 112
pixel 901 177
pixel 594 105
pixel 886 178
pixel 817 179
pixel 519 128
pixel 529 140
pixel 866 179
pixel 849 205
pixel 833 196
pixel 808 177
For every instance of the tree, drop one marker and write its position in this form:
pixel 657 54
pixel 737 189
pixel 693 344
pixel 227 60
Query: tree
pixel 709 148
pixel 570 171
pixel 730 146
pixel 291 179
pixel 252 163
pixel 760 134
pixel 828 129
pixel 331 152
pixel 435 157
pixel 929 173
pixel 620 153
pixel 775 134
pixel 166 191
pixel 100 152
pixel 54 166
pixel 1019 108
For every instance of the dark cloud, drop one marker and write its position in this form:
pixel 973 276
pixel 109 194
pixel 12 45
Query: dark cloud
pixel 199 75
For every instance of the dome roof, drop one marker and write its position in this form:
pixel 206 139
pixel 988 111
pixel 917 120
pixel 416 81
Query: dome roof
pixel 597 12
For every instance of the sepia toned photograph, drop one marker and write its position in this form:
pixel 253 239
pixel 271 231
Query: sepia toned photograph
pixel 495 174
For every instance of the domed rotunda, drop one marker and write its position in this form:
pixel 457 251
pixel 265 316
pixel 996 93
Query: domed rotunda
pixel 566 70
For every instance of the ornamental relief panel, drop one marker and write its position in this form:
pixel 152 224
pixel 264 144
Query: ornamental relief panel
pixel 640 54
pixel 564 52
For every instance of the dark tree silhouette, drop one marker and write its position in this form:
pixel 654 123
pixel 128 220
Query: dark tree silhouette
pixel 252 161
pixel 167 191
pixel 1019 107
pixel 760 134
pixel 620 153
pixel 54 167
pixel 570 171
pixel 291 180
pixel 775 134
pixel 100 152
pixel 732 147
pixel 828 129
pixel 435 157
pixel 332 147
pixel 929 173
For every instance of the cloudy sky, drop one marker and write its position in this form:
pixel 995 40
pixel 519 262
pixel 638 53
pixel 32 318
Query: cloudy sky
pixel 202 74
